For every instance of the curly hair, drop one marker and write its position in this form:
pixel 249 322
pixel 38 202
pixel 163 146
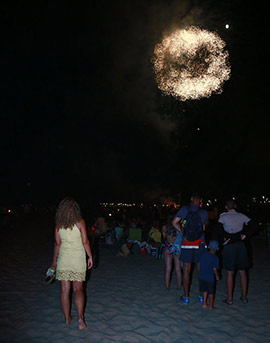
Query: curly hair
pixel 68 213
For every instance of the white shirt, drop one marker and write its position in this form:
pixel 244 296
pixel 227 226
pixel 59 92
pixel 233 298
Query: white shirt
pixel 233 221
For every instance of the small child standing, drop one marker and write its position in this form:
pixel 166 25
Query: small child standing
pixel 209 265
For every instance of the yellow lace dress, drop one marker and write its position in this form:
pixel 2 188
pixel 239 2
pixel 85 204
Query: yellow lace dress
pixel 71 261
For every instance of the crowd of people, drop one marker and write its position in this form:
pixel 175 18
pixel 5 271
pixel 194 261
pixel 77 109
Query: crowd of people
pixel 188 235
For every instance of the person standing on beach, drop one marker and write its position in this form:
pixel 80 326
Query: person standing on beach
pixel 169 235
pixel 209 265
pixel 235 257
pixel 69 257
pixel 191 248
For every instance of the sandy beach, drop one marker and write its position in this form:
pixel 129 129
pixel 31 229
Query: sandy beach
pixel 126 298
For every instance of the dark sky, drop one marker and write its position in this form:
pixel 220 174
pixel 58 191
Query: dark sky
pixel 81 113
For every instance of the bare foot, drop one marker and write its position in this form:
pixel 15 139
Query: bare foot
pixel 204 306
pixel 82 325
pixel 68 321
pixel 212 308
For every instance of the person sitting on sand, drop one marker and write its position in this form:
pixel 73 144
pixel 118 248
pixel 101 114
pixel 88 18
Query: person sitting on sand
pixel 69 257
pixel 209 265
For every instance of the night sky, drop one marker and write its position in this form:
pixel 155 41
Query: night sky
pixel 81 113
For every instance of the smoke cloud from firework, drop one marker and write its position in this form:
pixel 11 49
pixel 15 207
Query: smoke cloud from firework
pixel 136 102
pixel 131 64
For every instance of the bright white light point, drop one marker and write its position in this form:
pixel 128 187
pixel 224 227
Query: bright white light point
pixel 198 129
pixel 227 26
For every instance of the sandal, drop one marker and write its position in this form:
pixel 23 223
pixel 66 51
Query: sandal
pixel 244 299
pixel 228 302
pixel 50 275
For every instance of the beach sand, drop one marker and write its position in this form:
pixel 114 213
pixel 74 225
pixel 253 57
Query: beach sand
pixel 126 298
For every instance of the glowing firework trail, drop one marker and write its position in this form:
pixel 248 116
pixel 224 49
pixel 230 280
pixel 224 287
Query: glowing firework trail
pixel 191 63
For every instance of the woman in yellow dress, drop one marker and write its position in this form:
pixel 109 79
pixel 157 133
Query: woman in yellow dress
pixel 69 257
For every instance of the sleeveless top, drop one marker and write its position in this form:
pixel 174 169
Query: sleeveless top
pixel 170 229
pixel 71 261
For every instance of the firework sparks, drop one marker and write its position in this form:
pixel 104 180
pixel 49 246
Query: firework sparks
pixel 191 63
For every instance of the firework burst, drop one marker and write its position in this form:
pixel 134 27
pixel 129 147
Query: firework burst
pixel 191 63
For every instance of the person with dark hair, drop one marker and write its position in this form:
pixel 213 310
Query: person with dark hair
pixel 69 258
pixel 190 221
pixel 232 234
pixel 169 235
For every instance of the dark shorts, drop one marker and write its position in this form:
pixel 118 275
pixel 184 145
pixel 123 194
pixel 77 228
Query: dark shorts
pixel 191 255
pixel 207 286
pixel 235 257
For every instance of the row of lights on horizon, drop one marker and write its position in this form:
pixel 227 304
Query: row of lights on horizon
pixel 261 200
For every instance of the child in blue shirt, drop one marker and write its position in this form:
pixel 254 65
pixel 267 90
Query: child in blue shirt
pixel 209 265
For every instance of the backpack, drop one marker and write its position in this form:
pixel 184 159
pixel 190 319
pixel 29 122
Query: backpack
pixel 192 226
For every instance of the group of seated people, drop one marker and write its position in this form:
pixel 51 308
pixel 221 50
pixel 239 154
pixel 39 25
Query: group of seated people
pixel 110 231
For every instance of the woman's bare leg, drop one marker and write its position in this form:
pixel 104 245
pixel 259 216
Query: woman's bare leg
pixel 177 266
pixel 168 267
pixel 244 282
pixel 230 281
pixel 65 300
pixel 79 302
